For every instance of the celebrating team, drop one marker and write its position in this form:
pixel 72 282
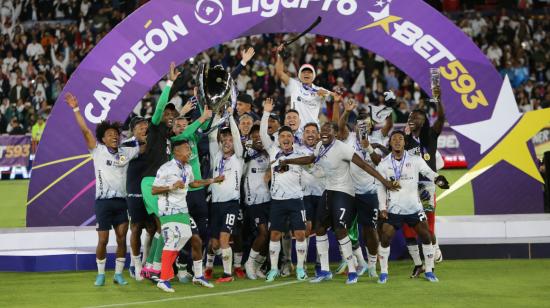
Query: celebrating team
pixel 269 183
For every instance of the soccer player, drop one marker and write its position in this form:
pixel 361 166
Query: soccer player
pixel 287 199
pixel 227 160
pixel 196 196
pixel 366 199
pixel 292 120
pixel 422 141
pixel 338 211
pixel 139 217
pixel 305 97
pixel 110 165
pixel 257 199
pixel 245 124
pixel 156 154
pixel 171 184
pixel 403 206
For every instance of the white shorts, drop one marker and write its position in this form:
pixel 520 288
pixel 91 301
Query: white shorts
pixel 175 234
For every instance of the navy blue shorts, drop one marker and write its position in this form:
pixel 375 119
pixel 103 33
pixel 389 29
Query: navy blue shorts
pixel 136 210
pixel 337 210
pixel 397 220
pixel 283 211
pixel 311 203
pixel 258 214
pixel 198 210
pixel 110 213
pixel 367 209
pixel 224 217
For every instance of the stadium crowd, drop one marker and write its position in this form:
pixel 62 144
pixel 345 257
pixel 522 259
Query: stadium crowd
pixel 42 43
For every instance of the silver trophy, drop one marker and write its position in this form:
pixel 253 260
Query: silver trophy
pixel 217 90
pixel 435 83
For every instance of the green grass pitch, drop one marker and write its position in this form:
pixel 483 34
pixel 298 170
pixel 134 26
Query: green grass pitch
pixel 472 283
pixel 14 196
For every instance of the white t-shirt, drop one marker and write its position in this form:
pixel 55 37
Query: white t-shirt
pixel 306 102
pixel 110 170
pixel 230 188
pixel 313 176
pixel 406 200
pixel 168 174
pixel 285 185
pixel 231 167
pixel 256 190
pixel 363 182
pixel 336 165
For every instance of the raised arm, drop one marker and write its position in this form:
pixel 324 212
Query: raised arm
pixel 213 146
pixel 370 170
pixel 264 123
pixel 280 67
pixel 236 134
pixel 91 142
pixel 246 55
pixel 387 126
pixel 165 95
pixel 343 133
pixel 190 130
pixel 438 124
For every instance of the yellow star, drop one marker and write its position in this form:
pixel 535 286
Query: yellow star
pixel 513 147
pixel 384 23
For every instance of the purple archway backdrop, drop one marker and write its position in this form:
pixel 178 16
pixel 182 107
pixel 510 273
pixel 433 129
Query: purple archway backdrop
pixel 62 193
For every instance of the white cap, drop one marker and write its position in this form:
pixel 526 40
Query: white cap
pixel 309 67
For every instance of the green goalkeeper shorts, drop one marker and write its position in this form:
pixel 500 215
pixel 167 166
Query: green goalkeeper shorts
pixel 151 201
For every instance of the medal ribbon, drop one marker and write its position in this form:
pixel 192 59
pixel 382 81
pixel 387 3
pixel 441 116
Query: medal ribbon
pixel 324 151
pixel 398 171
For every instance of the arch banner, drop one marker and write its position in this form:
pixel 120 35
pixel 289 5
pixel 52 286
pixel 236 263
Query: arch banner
pixel 413 36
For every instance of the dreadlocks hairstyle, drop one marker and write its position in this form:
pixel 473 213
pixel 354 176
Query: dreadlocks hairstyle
pixel 103 127
pixel 425 130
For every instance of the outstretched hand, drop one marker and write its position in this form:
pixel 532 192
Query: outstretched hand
pixel 71 100
pixel 268 105
pixel 247 54
pixel 174 73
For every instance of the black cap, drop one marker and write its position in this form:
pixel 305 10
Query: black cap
pixel 170 106
pixel 245 98
pixel 135 121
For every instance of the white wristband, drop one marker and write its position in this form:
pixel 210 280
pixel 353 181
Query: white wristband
pixel 370 150
pixel 169 83
pixel 76 109
pixel 243 63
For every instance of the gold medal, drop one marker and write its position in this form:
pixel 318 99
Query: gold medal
pixel 122 158
pixel 426 156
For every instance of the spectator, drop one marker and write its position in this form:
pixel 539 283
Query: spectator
pixel 15 128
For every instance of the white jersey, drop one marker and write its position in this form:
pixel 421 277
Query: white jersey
pixel 335 159
pixel 231 167
pixel 313 176
pixel 363 182
pixel 285 185
pixel 305 101
pixel 110 170
pixel 256 190
pixel 377 137
pixel 173 202
pixel 406 200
